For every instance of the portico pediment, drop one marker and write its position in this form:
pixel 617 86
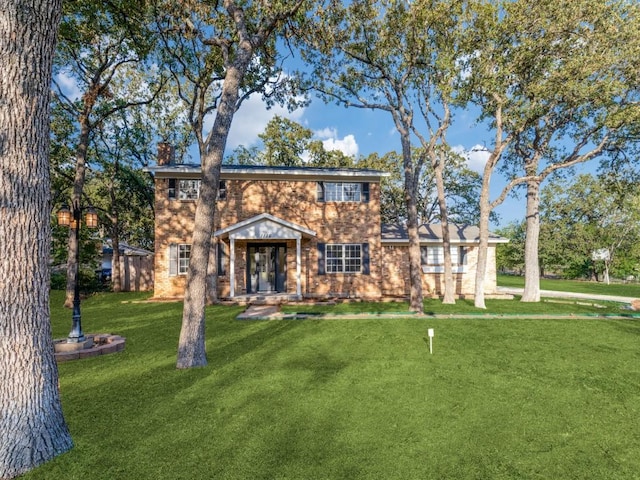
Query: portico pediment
pixel 265 227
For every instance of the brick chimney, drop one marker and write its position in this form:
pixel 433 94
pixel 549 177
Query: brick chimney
pixel 166 154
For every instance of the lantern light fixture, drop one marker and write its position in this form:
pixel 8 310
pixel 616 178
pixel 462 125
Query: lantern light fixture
pixel 71 219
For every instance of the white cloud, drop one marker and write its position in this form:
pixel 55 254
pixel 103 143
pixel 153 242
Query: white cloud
pixel 251 120
pixel 476 156
pixel 68 86
pixel 347 145
pixel 326 133
pixel 330 141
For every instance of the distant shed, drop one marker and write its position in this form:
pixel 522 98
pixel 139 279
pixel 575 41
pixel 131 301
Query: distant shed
pixel 136 267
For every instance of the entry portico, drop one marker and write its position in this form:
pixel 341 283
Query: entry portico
pixel 265 236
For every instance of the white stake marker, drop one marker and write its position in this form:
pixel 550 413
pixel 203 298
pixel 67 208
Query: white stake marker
pixel 431 334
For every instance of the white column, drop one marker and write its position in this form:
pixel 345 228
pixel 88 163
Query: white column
pixel 232 267
pixel 298 268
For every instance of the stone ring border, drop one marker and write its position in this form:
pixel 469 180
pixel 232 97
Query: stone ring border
pixel 98 344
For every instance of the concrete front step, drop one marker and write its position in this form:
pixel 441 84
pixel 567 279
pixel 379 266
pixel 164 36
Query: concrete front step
pixel 264 299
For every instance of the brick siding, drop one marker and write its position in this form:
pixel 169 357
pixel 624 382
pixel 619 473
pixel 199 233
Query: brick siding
pixel 395 273
pixel 294 200
pixel 290 200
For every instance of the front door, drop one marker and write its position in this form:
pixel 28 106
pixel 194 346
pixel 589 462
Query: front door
pixel 267 268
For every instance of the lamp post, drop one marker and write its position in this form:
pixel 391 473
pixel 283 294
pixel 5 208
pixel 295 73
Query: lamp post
pixel 72 219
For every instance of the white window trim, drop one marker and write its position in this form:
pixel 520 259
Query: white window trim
pixel 183 266
pixel 177 253
pixel 183 192
pixel 456 266
pixel 339 188
pixel 343 258
pixel 178 190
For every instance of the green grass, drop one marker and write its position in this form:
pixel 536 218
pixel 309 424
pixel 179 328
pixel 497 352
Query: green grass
pixel 619 289
pixel 546 307
pixel 351 399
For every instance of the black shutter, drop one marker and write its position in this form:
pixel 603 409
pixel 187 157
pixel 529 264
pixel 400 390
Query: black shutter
pixel 365 192
pixel 222 190
pixel 365 259
pixel 172 189
pixel 424 255
pixel 320 191
pixel 321 260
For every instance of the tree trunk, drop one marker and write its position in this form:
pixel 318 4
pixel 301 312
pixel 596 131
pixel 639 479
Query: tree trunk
pixel 416 303
pixel 606 272
pixel 116 274
pixel 449 289
pixel 32 427
pixel 191 346
pixel 481 267
pixel 531 260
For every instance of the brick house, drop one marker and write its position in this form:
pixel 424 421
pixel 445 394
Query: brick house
pixel 305 232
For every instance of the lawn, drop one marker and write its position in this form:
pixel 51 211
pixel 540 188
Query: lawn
pixel 619 289
pixel 509 308
pixel 351 399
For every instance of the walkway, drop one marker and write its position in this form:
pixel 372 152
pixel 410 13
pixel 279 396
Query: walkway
pixel 261 312
pixel 555 294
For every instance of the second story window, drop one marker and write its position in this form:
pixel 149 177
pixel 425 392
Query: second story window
pixel 189 189
pixel 343 192
pixel 184 189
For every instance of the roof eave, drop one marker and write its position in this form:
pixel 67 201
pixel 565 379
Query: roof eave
pixel 226 173
pixel 457 241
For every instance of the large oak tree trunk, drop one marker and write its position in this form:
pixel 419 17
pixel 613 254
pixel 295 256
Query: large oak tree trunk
pixel 191 346
pixel 483 246
pixel 415 259
pixel 449 291
pixel 32 427
pixel 531 259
